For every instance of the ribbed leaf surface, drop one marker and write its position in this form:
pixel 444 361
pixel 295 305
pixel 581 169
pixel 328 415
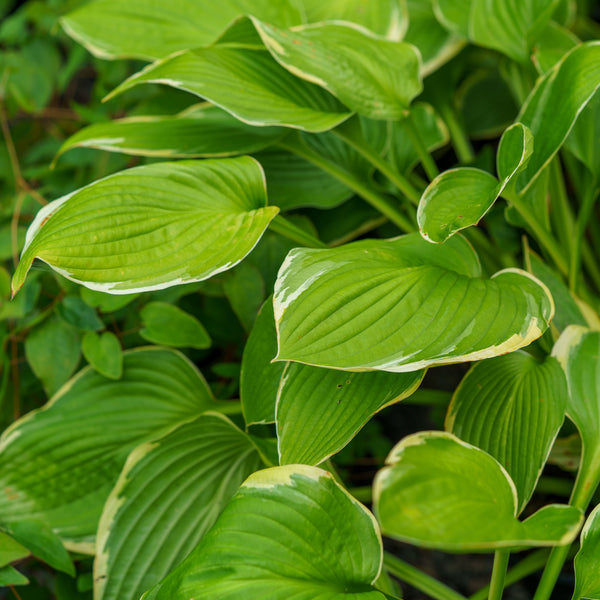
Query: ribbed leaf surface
pixel 587 560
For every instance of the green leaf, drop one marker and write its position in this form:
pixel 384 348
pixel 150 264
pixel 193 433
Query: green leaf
pixel 512 407
pixel 547 113
pixel 60 462
pixel 168 495
pixel 168 325
pixel 10 576
pixel 10 550
pixel 459 198
pixel 552 45
pixel 245 290
pixel 105 303
pixel 201 131
pixel 320 410
pixel 374 77
pixel 587 560
pixel 104 354
pixel 147 30
pixel 260 377
pixel 584 135
pixel 439 492
pixel 272 95
pixel 402 305
pixel 78 313
pixel 43 543
pixel 152 226
pixel 52 351
pixel 288 532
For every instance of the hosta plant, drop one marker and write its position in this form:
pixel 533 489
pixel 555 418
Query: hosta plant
pixel 372 190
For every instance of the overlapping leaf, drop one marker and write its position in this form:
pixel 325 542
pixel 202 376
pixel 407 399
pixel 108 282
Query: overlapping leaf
pixel 401 305
pixel 289 532
pixel 442 493
pixel 587 560
pixel 153 226
pixel 512 407
pixel 61 461
pixel 149 29
pixel 168 495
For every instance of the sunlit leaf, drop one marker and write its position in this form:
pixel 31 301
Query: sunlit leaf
pixel 10 550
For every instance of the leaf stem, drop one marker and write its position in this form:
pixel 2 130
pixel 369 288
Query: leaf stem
pixel 498 574
pixel 419 580
pixel 419 145
pixel 460 141
pixel 287 229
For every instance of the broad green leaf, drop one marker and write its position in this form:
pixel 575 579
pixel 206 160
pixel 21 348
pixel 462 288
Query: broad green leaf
pixel 152 226
pixel 439 492
pixel 202 131
pixel 552 45
pixel 10 576
pixel 587 560
pixel 103 352
pixel 288 532
pixel 78 313
pixel 60 462
pixel 43 543
pixel 168 495
pixel 260 377
pixel 512 407
pixel 168 325
pixel 245 290
pixel 402 305
pixel 510 26
pixel 387 18
pixel 549 115
pixel 105 303
pixel 582 141
pixel 10 550
pixel 374 77
pixel 52 351
pixel 320 410
pixel 271 94
pixel 459 198
pixel 149 29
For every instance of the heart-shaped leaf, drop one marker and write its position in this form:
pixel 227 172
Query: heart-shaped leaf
pixel 153 226
pixel 402 305
pixel 289 532
pixel 320 410
pixel 272 95
pixel 374 77
pixel 169 494
pixel 61 461
pixel 587 560
pixel 442 493
pixel 512 407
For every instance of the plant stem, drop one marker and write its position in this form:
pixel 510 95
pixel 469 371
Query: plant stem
pixel 417 141
pixel 419 580
pixel 585 212
pixel 284 227
pixel 375 199
pixel 460 141
pixel 498 574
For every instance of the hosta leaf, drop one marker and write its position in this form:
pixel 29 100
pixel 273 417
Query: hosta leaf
pixel 168 325
pixel 553 44
pixel 512 407
pixel 546 111
pixel 320 410
pixel 260 377
pixel 168 495
pixel 103 352
pixel 386 18
pixel 245 290
pixel 288 532
pixel 582 141
pixel 60 462
pixel 374 77
pixel 10 550
pixel 148 30
pixel 203 131
pixel 401 305
pixel 153 226
pixel 272 95
pixel 442 493
pixel 587 560
pixel 459 198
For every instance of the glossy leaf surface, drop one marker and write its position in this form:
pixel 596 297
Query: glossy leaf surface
pixel 512 407
pixel 374 77
pixel 587 560
pixel 442 493
pixel 61 461
pixel 320 410
pixel 272 95
pixel 288 532
pixel 168 495
pixel 401 305
pixel 153 226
